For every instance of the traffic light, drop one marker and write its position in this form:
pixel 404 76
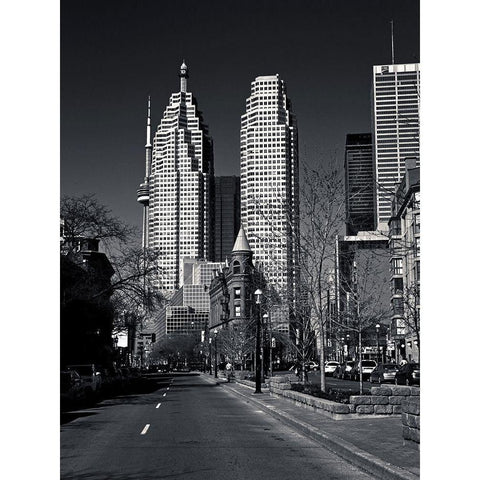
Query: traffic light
pixel 154 338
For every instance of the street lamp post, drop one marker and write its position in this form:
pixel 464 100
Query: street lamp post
pixel 210 355
pixel 215 332
pixel 115 349
pixel 258 366
pixel 265 320
pixel 377 326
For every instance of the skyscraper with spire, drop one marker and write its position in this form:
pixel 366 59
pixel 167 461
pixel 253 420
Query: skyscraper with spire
pixel 269 181
pixel 177 192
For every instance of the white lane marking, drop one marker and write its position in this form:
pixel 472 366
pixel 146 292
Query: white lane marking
pixel 145 429
pixel 165 394
pixel 158 406
pixel 168 388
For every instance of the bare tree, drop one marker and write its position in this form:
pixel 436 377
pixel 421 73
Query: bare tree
pixel 236 342
pixel 84 217
pixel 176 349
pixel 366 295
pixel 321 215
pixel 411 313
pixel 130 291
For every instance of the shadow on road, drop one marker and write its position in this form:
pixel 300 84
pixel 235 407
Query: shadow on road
pixel 66 417
pixel 143 475
pixel 131 395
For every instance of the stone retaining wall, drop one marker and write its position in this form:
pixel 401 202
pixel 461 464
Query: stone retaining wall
pixel 383 400
pixel 411 419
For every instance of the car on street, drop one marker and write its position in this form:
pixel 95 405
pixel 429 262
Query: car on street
pixel 384 372
pixel 330 367
pixel 343 370
pixel 72 389
pixel 367 368
pixel 310 365
pixel 408 374
pixel 91 377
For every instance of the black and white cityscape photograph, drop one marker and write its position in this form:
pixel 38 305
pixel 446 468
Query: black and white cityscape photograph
pixel 236 286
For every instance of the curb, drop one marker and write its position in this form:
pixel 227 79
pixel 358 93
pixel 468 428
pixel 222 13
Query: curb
pixel 344 449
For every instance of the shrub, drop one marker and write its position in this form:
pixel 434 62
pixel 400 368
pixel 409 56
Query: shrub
pixel 340 396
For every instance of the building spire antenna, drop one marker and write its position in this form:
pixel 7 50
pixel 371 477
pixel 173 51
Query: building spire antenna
pixel 149 125
pixel 183 76
pixel 393 47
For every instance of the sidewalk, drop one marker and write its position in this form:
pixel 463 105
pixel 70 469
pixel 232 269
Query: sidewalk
pixel 374 444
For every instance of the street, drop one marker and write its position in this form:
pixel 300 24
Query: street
pixel 188 427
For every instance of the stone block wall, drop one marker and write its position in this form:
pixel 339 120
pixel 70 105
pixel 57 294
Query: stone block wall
pixel 411 418
pixel 383 400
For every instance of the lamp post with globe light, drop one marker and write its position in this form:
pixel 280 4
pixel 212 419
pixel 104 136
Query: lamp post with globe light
pixel 258 365
pixel 215 333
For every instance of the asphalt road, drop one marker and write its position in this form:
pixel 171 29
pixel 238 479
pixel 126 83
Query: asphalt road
pixel 188 428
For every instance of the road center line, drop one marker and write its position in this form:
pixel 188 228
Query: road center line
pixel 165 394
pixel 168 388
pixel 158 405
pixel 145 429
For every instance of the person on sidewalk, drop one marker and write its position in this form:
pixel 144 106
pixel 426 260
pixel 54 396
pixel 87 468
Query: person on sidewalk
pixel 229 372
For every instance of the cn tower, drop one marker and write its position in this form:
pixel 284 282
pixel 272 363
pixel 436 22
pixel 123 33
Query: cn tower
pixel 143 192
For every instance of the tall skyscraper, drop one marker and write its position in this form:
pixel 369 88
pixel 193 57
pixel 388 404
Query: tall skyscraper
pixel 359 182
pixel 396 102
pixel 269 181
pixel 227 215
pixel 179 182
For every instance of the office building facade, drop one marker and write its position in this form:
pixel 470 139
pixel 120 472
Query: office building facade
pixel 188 310
pixel 396 128
pixel 404 243
pixel 269 182
pixel 227 215
pixel 177 193
pixel 359 183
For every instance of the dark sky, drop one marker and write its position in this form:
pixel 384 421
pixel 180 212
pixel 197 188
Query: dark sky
pixel 114 53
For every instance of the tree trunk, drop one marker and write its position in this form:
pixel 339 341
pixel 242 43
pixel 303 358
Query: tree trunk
pixel 360 360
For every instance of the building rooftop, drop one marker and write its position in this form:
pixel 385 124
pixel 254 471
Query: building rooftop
pixel 241 243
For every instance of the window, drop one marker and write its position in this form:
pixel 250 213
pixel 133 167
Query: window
pixel 397 266
pixel 237 310
pixel 236 293
pixel 236 267
pixel 397 285
pixel 416 224
pixel 397 304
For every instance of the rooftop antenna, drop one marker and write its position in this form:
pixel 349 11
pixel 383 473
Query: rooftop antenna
pixel 393 48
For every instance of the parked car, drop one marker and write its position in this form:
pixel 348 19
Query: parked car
pixel 330 367
pixel 91 377
pixel 183 368
pixel 311 365
pixel 384 372
pixel 71 388
pixel 408 374
pixel 343 370
pixel 367 368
